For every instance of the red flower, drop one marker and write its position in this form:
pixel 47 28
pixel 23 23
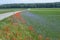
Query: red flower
pixel 14 39
pixel 40 37
pixel 47 38
pixel 30 28
pixel 7 37
pixel 18 15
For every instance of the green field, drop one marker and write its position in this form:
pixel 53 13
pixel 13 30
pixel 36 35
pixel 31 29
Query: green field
pixel 46 11
pixel 45 23
pixel 53 18
pixel 10 10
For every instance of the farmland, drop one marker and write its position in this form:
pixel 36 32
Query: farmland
pixel 10 10
pixel 36 24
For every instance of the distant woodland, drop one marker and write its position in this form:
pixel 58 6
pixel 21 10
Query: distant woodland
pixel 32 5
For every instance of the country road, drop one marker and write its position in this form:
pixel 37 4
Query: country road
pixel 5 15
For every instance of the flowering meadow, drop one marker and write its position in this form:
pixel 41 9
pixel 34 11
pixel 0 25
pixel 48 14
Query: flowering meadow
pixel 20 27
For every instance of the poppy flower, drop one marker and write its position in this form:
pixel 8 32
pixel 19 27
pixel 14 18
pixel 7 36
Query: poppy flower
pixel 47 38
pixel 40 37
pixel 14 38
pixel 30 28
pixel 18 15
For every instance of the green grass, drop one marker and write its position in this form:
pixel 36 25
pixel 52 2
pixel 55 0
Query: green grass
pixel 20 28
pixel 46 11
pixel 10 10
pixel 52 15
pixel 53 32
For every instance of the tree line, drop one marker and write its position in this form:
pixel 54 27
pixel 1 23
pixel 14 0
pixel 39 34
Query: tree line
pixel 32 5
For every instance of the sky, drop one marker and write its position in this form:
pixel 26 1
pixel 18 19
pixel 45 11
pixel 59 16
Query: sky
pixel 27 1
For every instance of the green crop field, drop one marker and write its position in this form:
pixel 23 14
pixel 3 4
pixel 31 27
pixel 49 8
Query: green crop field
pixel 46 11
pixel 36 24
